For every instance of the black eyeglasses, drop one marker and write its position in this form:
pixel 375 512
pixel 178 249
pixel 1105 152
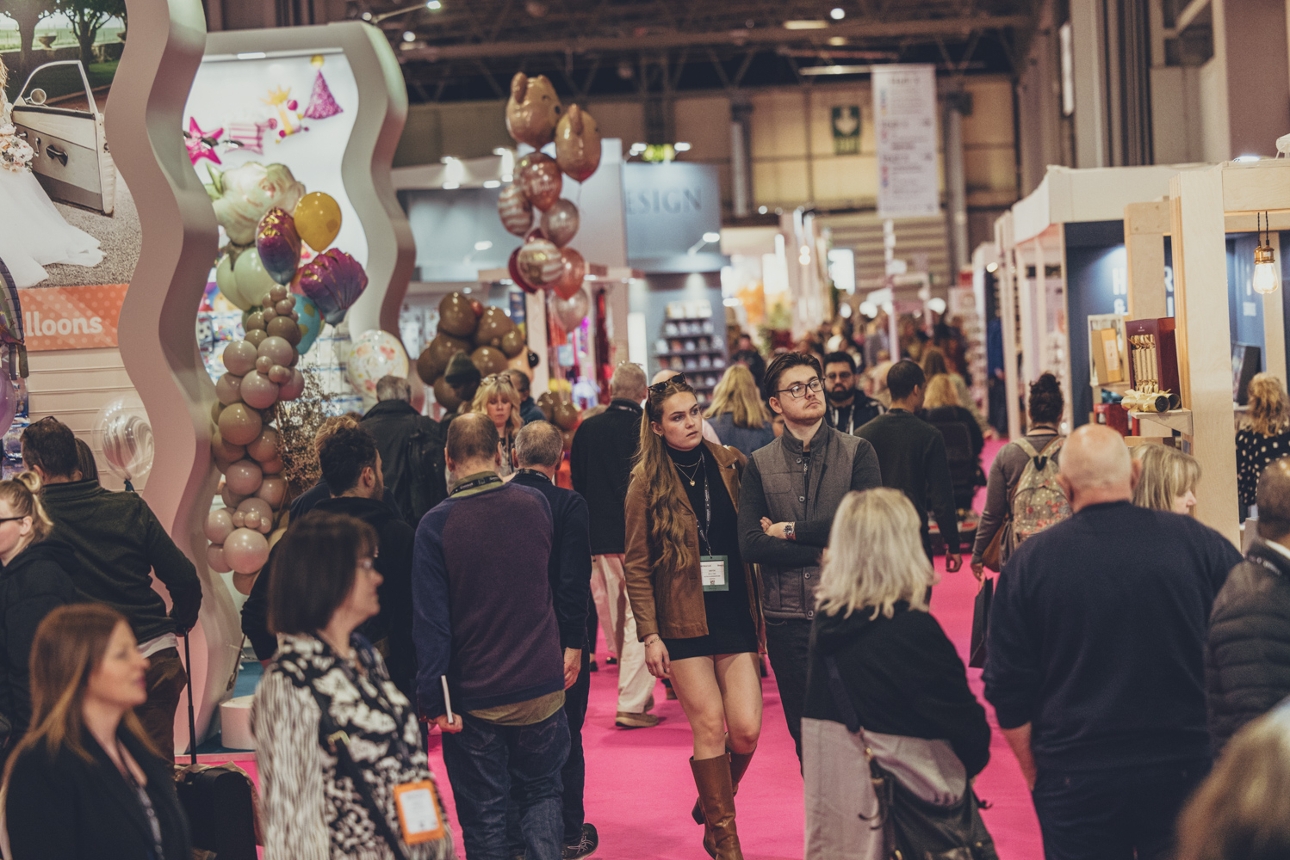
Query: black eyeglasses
pixel 658 387
pixel 798 389
pixel 13 519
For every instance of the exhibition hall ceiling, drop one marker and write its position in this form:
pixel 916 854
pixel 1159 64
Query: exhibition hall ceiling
pixel 455 50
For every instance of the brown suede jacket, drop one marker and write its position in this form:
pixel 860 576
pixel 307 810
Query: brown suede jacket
pixel 670 602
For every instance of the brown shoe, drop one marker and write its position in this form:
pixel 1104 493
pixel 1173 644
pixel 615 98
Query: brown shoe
pixel 642 720
pixel 716 795
pixel 738 767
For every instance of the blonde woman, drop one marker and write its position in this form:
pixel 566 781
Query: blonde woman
pixel 498 399
pixel 1168 479
pixel 1264 435
pixel 934 364
pixel 880 660
pixel 737 412
pixel 942 406
pixel 697 605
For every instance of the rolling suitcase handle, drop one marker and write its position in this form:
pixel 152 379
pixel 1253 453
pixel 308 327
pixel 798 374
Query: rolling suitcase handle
pixel 192 717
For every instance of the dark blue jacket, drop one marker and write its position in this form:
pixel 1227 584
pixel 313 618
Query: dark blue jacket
pixel 1097 638
pixel 481 601
pixel 569 569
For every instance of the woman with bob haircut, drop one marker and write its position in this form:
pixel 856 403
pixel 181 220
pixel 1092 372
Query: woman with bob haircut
pixel 1242 810
pixel 323 797
pixel 737 412
pixel 1168 479
pixel 874 642
pixel 697 605
pixel 500 401
pixel 86 781
pixel 1264 435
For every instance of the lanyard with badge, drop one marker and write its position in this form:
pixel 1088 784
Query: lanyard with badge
pixel 417 803
pixel 713 569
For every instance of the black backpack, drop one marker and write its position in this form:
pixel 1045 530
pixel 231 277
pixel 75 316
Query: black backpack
pixel 428 485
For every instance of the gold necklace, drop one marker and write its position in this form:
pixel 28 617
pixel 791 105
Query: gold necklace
pixel 692 478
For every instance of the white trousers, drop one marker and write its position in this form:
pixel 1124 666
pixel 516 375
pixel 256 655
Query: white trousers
pixel 609 589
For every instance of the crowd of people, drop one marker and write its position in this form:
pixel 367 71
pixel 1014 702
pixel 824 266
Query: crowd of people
pixel 440 578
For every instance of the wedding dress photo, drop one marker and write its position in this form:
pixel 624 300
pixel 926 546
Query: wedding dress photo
pixel 33 234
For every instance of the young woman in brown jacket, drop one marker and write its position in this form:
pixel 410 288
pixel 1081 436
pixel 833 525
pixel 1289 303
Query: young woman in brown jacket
pixel 697 605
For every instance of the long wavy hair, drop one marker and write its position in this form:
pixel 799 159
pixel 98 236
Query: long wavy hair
pixel 499 387
pixel 736 393
pixel 665 503
pixel 1269 409
pixel 940 392
pixel 70 645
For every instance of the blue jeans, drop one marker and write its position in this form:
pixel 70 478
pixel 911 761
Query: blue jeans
pixel 1114 814
pixel 489 764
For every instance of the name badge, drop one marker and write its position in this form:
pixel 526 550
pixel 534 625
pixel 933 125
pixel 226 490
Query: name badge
pixel 714 569
pixel 419 817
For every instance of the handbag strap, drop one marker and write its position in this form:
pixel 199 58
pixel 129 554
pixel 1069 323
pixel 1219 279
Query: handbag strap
pixel 335 739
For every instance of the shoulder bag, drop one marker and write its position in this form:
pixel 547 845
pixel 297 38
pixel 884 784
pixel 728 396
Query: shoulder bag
pixel 915 828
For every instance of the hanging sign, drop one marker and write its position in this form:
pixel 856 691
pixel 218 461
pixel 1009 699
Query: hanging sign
pixel 846 130
pixel 72 317
pixel 904 116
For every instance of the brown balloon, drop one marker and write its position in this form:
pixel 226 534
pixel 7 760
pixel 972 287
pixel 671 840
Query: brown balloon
pixel 513 343
pixel 564 415
pixel 493 325
pixel 577 144
pixel 488 360
pixel 532 110
pixel 285 328
pixel 560 222
pixel 567 436
pixel 239 425
pixel 456 316
pixel 546 402
pixel 256 336
pixel 539 178
pixel 444 396
pixel 434 359
pixel 575 272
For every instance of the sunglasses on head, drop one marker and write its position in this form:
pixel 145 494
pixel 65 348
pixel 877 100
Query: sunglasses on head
pixel 660 387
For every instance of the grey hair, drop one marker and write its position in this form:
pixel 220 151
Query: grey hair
pixel 628 382
pixel 875 556
pixel 539 443
pixel 393 388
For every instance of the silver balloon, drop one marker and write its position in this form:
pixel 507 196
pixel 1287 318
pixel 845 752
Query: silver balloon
pixel 572 311
pixel 560 222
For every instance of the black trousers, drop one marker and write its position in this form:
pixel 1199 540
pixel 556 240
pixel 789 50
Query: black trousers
pixel 788 642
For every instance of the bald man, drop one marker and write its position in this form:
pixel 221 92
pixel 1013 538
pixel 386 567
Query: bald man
pixel 1095 661
pixel 1247 654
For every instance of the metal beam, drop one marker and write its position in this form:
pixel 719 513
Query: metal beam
pixel 857 29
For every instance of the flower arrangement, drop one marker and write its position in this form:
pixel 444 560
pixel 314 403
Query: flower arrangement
pixel 15 153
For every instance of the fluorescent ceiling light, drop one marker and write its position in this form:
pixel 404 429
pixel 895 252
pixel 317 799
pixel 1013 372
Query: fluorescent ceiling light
pixel 711 237
pixel 451 186
pixel 252 55
pixel 409 36
pixel 492 183
pixel 681 146
pixel 837 41
pixel 806 24
pixel 836 70
pixel 483 246
pixel 838 13
pixel 434 5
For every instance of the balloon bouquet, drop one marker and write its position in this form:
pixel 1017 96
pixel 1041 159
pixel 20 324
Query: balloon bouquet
pixel 284 304
pixel 487 335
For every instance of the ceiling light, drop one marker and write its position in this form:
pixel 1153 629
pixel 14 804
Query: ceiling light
pixel 492 183
pixel 762 210
pixel 366 16
pixel 434 5
pixel 992 267
pixel 838 13
pixel 252 55
pixel 682 147
pixel 409 36
pixel 836 70
pixel 637 149
pixel 711 238
pixel 1267 274
pixel 869 309
pixel 806 24
pixel 483 246
pixel 451 186
pixel 936 305
pixel 837 41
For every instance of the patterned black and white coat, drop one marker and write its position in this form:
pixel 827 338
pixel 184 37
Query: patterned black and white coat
pixel 308 812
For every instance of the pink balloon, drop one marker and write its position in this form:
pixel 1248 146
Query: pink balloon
pixel 243 477
pixel 246 551
pixel 239 520
pixel 258 391
pixel 215 558
pixel 278 350
pixel 239 357
pixel 273 491
pixel 265 446
pixel 219 524
pixel 258 506
pixel 294 387
pixel 227 388
pixel 279 375
pixel 263 363
pixel 229 498
pixel 273 467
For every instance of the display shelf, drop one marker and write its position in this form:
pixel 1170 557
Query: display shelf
pixel 1178 420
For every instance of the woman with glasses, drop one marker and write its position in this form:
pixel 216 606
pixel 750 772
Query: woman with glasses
pixel 498 399
pixel 697 605
pixel 342 761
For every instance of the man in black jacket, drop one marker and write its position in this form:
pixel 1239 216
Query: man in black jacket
pixel 912 456
pixel 1095 659
pixel 600 463
pixel 119 543
pixel 538 448
pixel 849 407
pixel 1247 651
pixel 529 411
pixel 411 447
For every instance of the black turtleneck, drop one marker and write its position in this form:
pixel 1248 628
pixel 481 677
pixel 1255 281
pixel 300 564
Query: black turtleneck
pixel 723 532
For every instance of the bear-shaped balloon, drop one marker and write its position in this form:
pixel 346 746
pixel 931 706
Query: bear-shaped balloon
pixel 532 110
pixel 577 144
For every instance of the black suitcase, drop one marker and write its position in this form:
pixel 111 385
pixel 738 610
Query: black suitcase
pixel 219 800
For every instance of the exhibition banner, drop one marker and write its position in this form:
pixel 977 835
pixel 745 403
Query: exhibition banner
pixel 904 115
pixel 72 317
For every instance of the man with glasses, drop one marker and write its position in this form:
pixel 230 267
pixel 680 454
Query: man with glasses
pixel 849 408
pixel 791 489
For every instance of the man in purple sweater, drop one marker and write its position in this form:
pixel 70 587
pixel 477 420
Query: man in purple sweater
pixel 483 617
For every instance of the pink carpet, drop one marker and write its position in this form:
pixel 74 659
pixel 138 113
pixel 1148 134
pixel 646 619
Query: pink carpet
pixel 639 790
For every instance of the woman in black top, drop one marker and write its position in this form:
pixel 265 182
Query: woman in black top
pixel 85 781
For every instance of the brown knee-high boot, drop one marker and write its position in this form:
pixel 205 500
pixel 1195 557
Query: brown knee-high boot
pixel 738 767
pixel 717 797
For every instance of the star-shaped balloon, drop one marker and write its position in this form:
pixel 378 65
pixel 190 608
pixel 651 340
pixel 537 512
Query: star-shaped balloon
pixel 200 142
